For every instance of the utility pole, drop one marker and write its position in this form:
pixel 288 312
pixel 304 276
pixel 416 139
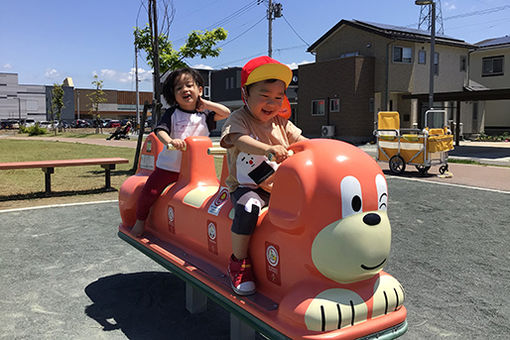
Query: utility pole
pixel 273 11
pixel 157 94
pixel 137 93
pixel 270 29
pixel 432 58
pixel 78 104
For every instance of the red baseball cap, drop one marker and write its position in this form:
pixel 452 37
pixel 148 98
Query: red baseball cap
pixel 263 68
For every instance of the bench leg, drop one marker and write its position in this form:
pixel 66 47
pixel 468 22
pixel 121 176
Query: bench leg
pixel 107 171
pixel 239 330
pixel 47 179
pixel 196 301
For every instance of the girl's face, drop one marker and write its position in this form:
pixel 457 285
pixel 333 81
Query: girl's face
pixel 265 99
pixel 187 92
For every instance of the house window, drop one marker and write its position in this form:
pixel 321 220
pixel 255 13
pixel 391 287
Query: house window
pixel 206 91
pixel 402 54
pixel 227 83
pixel 475 111
pixel 238 79
pixel 371 105
pixel 492 66
pixel 463 63
pixel 422 57
pixel 318 107
pixel 334 105
pixel 436 63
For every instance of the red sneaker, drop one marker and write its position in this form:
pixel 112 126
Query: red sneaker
pixel 240 273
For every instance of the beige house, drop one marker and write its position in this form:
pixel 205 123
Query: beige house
pixel 361 68
pixel 489 68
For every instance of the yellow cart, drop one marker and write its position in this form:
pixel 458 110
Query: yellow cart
pixel 421 148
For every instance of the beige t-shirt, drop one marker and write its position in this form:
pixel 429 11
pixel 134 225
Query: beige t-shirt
pixel 254 171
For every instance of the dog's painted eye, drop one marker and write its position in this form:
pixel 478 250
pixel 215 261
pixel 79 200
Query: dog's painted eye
pixel 382 192
pixel 352 201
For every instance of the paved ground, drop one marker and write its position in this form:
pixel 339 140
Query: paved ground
pixel 66 275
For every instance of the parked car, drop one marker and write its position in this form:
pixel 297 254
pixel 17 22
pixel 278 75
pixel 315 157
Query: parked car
pixel 64 124
pixel 28 122
pixel 113 123
pixel 10 124
pixel 45 124
pixel 7 124
pixel 80 123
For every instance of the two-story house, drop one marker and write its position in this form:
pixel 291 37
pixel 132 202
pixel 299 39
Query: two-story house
pixel 361 68
pixel 489 68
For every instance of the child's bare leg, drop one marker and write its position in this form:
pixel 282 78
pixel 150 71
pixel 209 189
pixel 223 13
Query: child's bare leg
pixel 240 245
pixel 138 228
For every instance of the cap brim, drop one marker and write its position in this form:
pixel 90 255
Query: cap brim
pixel 270 71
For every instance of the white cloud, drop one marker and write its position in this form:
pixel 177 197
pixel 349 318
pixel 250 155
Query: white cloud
pixel 449 6
pixel 52 73
pixel 7 66
pixel 295 65
pixel 125 77
pixel 202 67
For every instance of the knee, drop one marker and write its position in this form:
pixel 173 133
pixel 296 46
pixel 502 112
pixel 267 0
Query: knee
pixel 245 220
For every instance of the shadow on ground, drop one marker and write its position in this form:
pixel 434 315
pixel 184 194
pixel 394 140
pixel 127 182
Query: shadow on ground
pixel 479 152
pixel 151 305
pixel 410 172
pixel 42 194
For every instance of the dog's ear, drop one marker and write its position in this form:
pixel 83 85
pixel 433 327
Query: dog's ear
pixel 291 193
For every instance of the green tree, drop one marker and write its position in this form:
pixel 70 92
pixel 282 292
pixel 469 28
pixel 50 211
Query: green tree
pixel 57 103
pixel 198 43
pixel 96 97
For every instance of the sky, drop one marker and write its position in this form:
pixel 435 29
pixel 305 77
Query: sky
pixel 46 41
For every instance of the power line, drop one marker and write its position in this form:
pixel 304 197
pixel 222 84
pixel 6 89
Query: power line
pixel 258 54
pixel 238 60
pixel 234 15
pixel 229 17
pixel 469 14
pixel 235 38
pixel 482 12
pixel 288 23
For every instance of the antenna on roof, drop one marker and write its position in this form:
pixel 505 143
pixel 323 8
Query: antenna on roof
pixel 425 21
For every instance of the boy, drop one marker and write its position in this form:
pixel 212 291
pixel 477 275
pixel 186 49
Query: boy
pixel 251 134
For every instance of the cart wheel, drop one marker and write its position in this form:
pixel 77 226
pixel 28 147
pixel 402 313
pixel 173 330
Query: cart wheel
pixel 397 165
pixel 422 169
pixel 443 169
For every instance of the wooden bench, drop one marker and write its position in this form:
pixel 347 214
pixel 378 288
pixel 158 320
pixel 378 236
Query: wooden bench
pixel 48 167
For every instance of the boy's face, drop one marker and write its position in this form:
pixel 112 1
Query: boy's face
pixel 265 99
pixel 186 92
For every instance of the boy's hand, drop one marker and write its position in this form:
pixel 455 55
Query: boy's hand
pixel 178 144
pixel 279 153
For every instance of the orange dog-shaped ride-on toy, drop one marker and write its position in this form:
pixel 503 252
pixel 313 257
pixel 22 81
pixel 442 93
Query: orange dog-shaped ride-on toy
pixel 317 252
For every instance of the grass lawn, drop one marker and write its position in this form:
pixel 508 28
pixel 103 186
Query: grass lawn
pixel 25 187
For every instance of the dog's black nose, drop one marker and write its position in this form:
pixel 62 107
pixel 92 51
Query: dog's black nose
pixel 372 219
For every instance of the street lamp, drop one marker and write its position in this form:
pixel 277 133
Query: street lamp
pixel 432 45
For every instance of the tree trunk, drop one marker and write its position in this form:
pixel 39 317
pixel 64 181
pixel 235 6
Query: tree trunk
pixel 141 131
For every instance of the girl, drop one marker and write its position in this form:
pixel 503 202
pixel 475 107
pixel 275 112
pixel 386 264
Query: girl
pixel 189 115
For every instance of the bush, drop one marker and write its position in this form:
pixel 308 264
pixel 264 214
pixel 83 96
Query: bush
pixel 32 130
pixel 505 137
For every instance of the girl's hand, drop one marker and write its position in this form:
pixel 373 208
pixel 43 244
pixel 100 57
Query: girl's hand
pixel 178 144
pixel 201 104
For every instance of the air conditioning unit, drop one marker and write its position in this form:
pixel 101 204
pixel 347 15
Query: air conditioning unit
pixel 328 131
